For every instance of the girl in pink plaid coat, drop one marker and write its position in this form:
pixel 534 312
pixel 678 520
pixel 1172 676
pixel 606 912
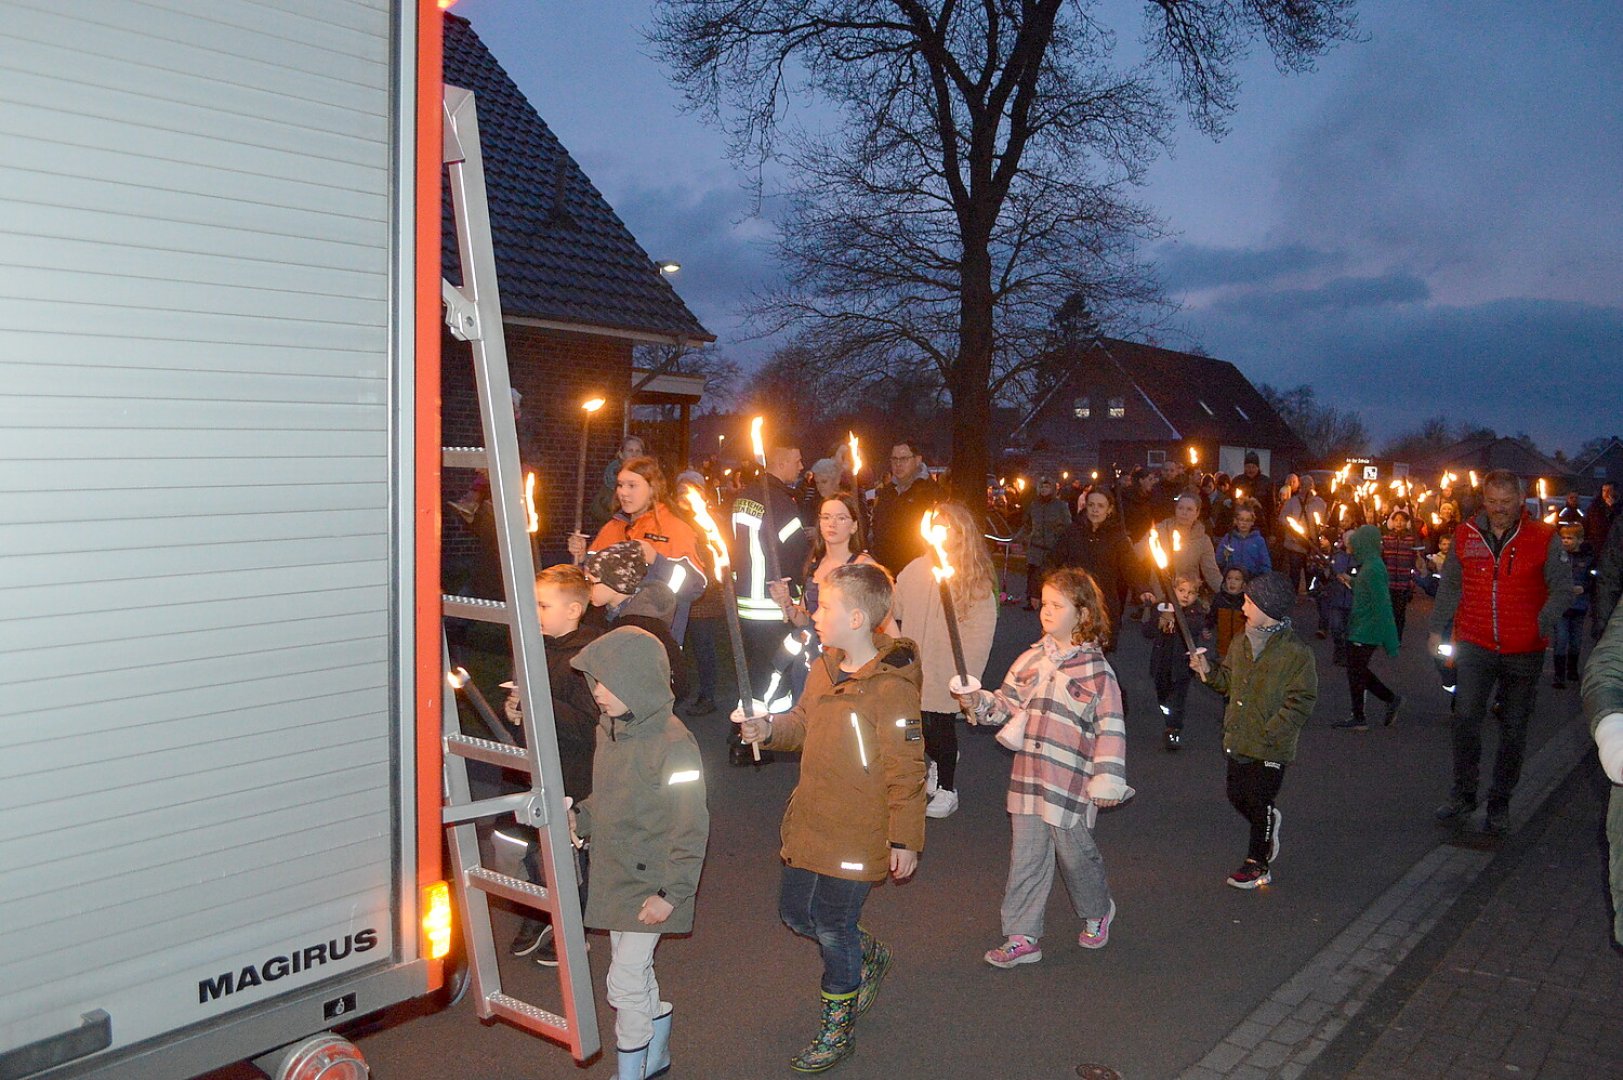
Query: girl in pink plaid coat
pixel 1062 697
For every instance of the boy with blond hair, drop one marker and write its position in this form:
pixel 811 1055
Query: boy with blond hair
pixel 562 597
pixel 857 814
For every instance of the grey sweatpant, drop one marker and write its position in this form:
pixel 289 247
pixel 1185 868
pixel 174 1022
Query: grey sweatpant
pixel 1031 874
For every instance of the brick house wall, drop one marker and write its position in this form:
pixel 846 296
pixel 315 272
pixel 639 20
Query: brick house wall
pixel 555 371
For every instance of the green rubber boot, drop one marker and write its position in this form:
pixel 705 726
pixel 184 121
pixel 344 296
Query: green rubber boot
pixel 875 963
pixel 836 1041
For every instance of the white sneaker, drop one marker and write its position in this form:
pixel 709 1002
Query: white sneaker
pixel 930 781
pixel 1273 839
pixel 942 804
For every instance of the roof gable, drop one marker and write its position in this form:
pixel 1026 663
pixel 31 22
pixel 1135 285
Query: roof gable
pixel 1195 397
pixel 562 254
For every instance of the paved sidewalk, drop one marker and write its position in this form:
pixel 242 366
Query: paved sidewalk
pixel 1520 979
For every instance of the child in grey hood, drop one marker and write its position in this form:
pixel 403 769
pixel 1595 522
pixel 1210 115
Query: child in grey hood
pixel 648 826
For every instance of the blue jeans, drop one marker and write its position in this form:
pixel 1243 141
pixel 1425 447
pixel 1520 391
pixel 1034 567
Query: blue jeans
pixel 827 909
pixel 701 645
pixel 1516 675
pixel 1569 636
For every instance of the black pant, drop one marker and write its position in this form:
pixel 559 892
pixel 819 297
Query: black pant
pixel 1171 692
pixel 941 746
pixel 1360 678
pixel 1479 670
pixel 1295 567
pixel 1252 788
pixel 1400 608
pixel 766 648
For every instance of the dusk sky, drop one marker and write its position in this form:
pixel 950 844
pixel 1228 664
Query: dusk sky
pixel 1429 223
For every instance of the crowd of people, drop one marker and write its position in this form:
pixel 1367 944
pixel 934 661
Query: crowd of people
pixel 861 657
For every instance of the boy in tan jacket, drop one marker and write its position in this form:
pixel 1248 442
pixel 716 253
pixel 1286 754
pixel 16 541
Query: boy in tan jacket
pixel 857 814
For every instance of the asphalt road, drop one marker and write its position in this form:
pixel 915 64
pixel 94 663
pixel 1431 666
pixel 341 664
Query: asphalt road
pixel 1188 957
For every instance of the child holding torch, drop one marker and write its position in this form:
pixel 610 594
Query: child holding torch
pixel 1062 696
pixel 857 814
pixel 1272 684
pixel 919 611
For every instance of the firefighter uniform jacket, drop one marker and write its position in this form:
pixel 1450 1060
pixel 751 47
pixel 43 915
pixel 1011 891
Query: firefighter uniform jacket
pixel 759 557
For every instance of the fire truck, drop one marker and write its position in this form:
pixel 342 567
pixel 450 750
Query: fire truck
pixel 224 731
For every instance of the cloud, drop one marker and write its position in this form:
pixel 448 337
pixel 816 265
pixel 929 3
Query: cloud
pixel 1339 294
pixel 1188 267
pixel 1514 365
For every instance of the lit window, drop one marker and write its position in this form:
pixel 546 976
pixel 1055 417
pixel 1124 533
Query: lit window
pixel 1155 457
pixel 1241 411
pixel 1208 409
pixel 1082 407
pixel 1599 471
pixel 1118 408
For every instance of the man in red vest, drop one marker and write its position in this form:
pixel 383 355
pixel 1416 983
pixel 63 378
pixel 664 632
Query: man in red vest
pixel 1503 586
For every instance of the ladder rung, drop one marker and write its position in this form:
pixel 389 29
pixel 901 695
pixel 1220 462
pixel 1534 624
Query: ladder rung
pixel 473 607
pixel 488 751
pixel 531 1017
pixel 464 457
pixel 515 889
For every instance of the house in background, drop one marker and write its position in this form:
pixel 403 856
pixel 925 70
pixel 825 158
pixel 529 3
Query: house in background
pixel 1605 466
pixel 577 293
pixel 1122 403
pixel 1484 453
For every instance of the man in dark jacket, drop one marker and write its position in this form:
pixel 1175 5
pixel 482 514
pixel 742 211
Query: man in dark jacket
pixel 899 508
pixel 1503 586
pixel 1259 486
pixel 1138 504
pixel 1599 517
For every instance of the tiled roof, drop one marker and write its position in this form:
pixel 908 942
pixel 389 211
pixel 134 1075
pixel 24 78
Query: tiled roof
pixel 1490 452
pixel 561 252
pixel 1199 397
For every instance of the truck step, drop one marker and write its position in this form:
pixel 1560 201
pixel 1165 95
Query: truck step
pixel 525 893
pixel 530 1017
pixel 475 608
pixel 489 751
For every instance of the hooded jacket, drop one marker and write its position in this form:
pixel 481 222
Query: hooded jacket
pixel 1372 621
pixel 1271 695
pixel 861 788
pixel 646 817
pixel 1104 552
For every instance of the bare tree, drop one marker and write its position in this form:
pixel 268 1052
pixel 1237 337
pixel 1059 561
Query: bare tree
pixel 723 379
pixel 1331 434
pixel 978 178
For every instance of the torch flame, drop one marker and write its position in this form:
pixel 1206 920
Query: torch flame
pixel 755 440
pixel 1296 526
pixel 1318 518
pixel 1094 474
pixel 1342 516
pixel 1543 489
pixel 1156 552
pixel 457 677
pixel 707 525
pixel 1435 520
pixel 1194 456
pixel 529 501
pixel 591 405
pixel 1239 494
pixel 1473 478
pixel 935 534
pixel 856 455
pixel 1177 541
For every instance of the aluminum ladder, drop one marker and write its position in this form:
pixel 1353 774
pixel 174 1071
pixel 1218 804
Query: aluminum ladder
pixel 473 313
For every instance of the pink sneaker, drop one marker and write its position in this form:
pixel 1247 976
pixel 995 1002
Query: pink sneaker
pixel 1019 949
pixel 1095 932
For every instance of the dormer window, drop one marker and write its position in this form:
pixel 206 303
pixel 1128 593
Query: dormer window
pixel 1118 408
pixel 1082 408
pixel 1208 408
pixel 1243 416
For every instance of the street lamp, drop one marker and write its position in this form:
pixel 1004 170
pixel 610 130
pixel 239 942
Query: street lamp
pixel 588 407
pixel 667 266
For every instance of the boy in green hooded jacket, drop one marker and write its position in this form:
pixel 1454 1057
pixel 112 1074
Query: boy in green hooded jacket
pixel 1372 626
pixel 648 825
